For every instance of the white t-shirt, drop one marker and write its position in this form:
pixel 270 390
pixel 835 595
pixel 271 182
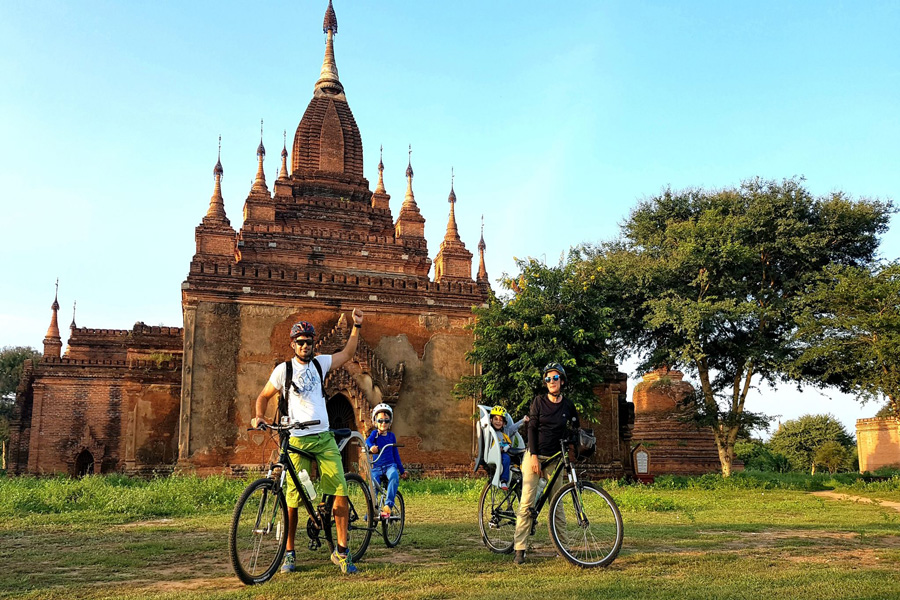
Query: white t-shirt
pixel 309 404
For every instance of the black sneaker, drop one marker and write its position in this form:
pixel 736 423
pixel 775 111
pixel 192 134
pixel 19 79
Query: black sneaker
pixel 520 557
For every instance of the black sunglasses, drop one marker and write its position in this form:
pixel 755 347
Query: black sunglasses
pixel 550 378
pixel 304 342
pixel 383 421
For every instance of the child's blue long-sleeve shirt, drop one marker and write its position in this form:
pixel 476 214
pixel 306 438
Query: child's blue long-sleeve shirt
pixel 391 455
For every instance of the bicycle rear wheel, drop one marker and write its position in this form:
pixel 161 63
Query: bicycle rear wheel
pixel 362 516
pixel 585 525
pixel 258 537
pixel 497 511
pixel 392 528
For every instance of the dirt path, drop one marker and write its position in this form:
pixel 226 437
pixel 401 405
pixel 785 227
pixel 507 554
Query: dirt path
pixel 839 496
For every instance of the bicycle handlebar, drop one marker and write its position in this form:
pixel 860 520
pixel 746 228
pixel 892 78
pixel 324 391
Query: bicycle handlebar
pixel 383 448
pixel 274 427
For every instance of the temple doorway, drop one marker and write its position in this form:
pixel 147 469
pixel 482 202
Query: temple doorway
pixel 84 463
pixel 341 416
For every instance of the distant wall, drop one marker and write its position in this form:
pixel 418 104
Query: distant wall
pixel 878 441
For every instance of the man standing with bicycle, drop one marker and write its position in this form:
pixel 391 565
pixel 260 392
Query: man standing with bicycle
pixel 306 402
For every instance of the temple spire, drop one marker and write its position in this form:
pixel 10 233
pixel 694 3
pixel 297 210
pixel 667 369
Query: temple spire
pixel 284 156
pixel 410 199
pixel 216 212
pixel 380 187
pixel 452 230
pixel 380 198
pixel 482 271
pixel 328 82
pixel 410 222
pixel 72 325
pixel 52 341
pixel 260 184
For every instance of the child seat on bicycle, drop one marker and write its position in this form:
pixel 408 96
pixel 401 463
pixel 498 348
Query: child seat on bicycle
pixel 490 443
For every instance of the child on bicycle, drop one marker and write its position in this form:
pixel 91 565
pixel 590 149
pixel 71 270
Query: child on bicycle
pixel 388 464
pixel 504 440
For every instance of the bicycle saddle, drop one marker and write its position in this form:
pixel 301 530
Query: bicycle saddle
pixel 340 434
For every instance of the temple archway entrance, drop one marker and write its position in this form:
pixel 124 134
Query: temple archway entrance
pixel 84 463
pixel 341 416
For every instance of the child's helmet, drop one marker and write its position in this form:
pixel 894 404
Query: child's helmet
pixel 302 328
pixel 382 408
pixel 498 411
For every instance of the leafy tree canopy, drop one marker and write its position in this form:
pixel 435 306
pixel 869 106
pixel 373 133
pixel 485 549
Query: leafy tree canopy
pixel 546 316
pixel 711 282
pixel 800 439
pixel 849 332
pixel 12 359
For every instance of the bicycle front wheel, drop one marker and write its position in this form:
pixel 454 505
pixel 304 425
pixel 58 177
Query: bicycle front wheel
pixel 392 527
pixel 585 525
pixel 362 516
pixel 258 537
pixel 497 516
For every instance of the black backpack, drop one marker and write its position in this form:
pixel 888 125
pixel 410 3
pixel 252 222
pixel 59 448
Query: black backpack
pixel 285 390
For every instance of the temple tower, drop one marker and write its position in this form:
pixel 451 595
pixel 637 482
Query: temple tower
pixel 322 244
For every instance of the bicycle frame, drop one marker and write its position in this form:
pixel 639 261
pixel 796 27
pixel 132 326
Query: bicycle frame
pixel 287 468
pixel 564 464
pixel 374 487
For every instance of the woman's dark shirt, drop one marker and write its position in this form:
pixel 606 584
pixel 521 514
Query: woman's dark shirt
pixel 549 423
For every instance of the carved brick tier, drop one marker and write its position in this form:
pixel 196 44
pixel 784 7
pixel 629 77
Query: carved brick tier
pixel 676 446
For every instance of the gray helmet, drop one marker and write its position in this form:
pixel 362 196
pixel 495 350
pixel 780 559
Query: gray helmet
pixel 554 366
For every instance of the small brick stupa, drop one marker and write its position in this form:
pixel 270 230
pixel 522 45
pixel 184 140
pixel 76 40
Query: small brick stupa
pixel 676 447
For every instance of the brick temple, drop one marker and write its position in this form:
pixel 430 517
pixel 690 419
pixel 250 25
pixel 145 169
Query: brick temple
pixel 313 245
pixel 676 446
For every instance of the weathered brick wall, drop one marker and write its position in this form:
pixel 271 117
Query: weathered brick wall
pixel 878 441
pixel 431 347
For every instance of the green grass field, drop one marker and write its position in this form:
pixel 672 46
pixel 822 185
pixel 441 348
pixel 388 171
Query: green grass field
pixel 747 537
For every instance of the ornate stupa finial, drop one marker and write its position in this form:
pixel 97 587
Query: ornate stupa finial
pixel 52 341
pixel 482 271
pixel 216 211
pixel 329 83
pixel 452 230
pixel 55 305
pixel 410 222
pixel 218 171
pixel 284 156
pixel 410 197
pixel 379 189
pixel 259 185
pixel 72 325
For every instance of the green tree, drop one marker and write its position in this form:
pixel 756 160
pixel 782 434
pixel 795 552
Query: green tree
pixel 831 455
pixel 849 332
pixel 711 282
pixel 12 360
pixel 800 439
pixel 545 317
pixel 758 456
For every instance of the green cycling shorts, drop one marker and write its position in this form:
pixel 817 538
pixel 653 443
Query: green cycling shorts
pixel 331 469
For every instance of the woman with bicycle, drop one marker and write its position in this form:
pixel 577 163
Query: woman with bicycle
pixel 551 418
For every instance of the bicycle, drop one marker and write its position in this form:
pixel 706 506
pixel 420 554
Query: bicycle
pixel 257 539
pixel 592 539
pixel 391 527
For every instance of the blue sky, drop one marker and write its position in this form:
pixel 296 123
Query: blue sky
pixel 556 119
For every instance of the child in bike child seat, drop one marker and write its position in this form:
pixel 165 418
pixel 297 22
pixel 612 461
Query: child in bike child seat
pixel 504 440
pixel 388 464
